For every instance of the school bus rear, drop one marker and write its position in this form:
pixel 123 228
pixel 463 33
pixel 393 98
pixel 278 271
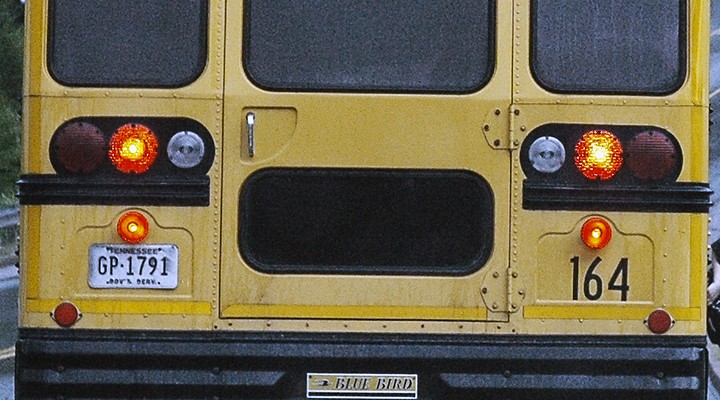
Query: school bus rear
pixel 411 199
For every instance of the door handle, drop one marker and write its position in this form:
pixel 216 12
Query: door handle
pixel 250 119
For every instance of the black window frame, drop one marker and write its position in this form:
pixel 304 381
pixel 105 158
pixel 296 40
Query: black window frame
pixel 683 47
pixel 198 70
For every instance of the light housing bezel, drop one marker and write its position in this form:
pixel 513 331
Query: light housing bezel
pixel 568 189
pixel 164 128
pixel 570 134
pixel 164 184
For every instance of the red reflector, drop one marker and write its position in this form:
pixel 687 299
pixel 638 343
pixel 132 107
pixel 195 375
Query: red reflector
pixel 133 148
pixel 651 155
pixel 596 233
pixel 598 155
pixel 66 314
pixel 78 147
pixel 659 321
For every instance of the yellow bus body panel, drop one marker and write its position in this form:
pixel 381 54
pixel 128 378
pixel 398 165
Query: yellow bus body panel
pixel 525 287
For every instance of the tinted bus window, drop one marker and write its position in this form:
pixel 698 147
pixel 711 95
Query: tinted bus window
pixel 366 222
pixel 160 43
pixel 406 46
pixel 609 46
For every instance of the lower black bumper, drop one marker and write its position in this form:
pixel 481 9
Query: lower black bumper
pixel 76 364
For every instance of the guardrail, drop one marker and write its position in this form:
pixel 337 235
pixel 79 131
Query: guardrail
pixel 9 217
pixel 7 353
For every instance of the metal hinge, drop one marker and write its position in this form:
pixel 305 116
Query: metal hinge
pixel 499 128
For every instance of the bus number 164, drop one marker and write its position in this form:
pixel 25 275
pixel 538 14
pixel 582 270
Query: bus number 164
pixel 592 283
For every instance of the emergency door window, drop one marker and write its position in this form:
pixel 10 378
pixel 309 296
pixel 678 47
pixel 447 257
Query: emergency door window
pixel 391 46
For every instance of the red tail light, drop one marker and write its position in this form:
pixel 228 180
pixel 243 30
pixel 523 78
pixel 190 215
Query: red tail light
pixel 78 148
pixel 652 156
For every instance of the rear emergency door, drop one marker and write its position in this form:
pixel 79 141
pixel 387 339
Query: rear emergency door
pixel 366 171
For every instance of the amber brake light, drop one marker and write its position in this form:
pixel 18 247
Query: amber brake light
pixel 598 155
pixel 133 148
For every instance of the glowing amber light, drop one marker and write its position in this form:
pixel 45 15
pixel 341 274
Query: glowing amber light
pixel 133 227
pixel 596 233
pixel 598 155
pixel 133 148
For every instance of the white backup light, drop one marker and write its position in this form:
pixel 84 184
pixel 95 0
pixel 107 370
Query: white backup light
pixel 186 149
pixel 547 154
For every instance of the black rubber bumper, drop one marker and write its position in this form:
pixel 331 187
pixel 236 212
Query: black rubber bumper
pixel 75 364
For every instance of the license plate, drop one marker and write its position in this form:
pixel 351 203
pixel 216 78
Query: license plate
pixel 362 386
pixel 125 266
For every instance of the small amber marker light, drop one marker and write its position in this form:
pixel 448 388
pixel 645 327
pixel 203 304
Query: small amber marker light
pixel 133 227
pixel 598 155
pixel 596 233
pixel 133 148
